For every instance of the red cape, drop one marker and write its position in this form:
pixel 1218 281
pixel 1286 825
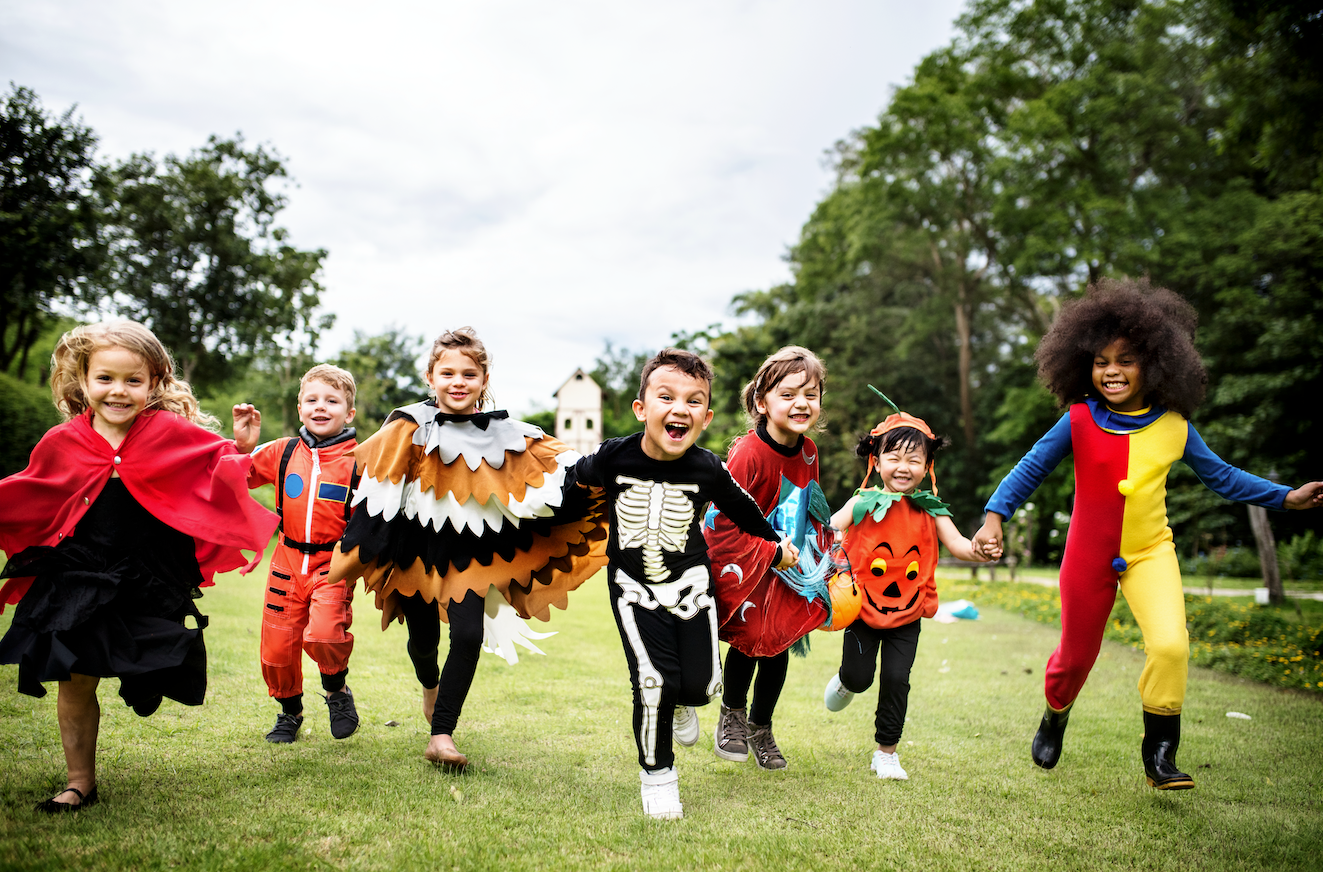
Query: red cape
pixel 193 480
pixel 757 613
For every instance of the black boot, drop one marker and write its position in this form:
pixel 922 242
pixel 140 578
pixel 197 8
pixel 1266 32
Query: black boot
pixel 1047 741
pixel 1162 736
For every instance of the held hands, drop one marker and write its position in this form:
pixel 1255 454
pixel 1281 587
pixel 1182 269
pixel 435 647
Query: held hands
pixel 789 554
pixel 1308 496
pixel 988 540
pixel 247 427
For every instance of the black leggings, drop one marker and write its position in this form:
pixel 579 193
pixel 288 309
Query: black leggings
pixel 461 660
pixel 859 660
pixel 766 690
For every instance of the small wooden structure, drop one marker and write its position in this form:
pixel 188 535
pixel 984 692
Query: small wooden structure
pixel 579 413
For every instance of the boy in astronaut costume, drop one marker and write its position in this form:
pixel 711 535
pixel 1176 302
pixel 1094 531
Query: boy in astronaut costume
pixel 315 478
pixel 659 577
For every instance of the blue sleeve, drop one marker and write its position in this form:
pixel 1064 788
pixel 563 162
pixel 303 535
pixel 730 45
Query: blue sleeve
pixel 1035 466
pixel 1227 481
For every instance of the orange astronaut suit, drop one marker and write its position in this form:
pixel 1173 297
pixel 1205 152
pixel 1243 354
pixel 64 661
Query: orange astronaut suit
pixel 303 612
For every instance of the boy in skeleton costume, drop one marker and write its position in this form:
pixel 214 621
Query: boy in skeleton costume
pixel 659 576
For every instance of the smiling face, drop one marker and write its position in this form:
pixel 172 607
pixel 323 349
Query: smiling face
pixel 674 412
pixel 902 467
pixel 1117 377
pixel 324 409
pixel 118 385
pixel 457 381
pixel 792 407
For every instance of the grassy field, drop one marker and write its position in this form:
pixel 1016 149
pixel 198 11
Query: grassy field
pixel 554 781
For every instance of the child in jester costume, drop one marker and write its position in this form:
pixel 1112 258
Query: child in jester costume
pixel 891 536
pixel 1123 361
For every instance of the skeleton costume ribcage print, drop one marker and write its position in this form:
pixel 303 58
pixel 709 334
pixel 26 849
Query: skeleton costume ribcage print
pixel 660 579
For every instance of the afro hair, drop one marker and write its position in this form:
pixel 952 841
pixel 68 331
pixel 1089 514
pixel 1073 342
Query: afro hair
pixel 1159 327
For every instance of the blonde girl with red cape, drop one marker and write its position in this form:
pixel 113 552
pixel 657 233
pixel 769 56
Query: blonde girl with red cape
pixel 125 511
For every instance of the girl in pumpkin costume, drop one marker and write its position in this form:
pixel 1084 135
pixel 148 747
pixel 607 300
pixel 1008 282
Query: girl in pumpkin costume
pixel 761 611
pixel 1123 360
pixel 460 516
pixel 891 536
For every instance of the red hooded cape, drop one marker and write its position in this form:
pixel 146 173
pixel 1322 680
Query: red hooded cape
pixel 758 613
pixel 193 480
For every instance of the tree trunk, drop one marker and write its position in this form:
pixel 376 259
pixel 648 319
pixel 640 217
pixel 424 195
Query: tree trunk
pixel 963 330
pixel 1267 545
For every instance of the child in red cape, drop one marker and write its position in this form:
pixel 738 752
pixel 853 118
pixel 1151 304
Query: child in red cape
pixel 760 614
pixel 124 511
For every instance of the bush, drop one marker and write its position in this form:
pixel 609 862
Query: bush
pixel 1264 643
pixel 28 413
pixel 1301 559
pixel 1237 562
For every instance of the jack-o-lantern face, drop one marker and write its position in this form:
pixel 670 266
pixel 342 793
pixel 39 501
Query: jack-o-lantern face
pixel 893 559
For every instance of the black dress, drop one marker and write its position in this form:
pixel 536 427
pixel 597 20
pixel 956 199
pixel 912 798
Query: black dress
pixel 110 601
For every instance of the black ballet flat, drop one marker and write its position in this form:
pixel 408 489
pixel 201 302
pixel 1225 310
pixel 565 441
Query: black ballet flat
pixel 50 806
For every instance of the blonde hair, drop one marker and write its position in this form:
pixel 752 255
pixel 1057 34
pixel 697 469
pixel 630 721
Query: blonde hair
pixel 69 363
pixel 788 361
pixel 340 379
pixel 464 340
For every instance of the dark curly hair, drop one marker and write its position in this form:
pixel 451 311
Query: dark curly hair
pixel 1157 323
pixel 902 439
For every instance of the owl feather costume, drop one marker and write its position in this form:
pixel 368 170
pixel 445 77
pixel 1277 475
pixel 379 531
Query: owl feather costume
pixel 449 504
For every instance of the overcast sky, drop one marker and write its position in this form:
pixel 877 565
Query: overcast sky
pixel 556 174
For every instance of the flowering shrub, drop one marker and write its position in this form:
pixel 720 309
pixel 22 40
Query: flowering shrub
pixel 1229 634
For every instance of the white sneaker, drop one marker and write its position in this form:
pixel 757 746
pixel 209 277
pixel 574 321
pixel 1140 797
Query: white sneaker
pixel 661 794
pixel 888 766
pixel 685 726
pixel 836 697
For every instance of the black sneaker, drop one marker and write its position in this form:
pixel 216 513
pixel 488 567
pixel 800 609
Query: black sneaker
pixel 344 717
pixel 286 729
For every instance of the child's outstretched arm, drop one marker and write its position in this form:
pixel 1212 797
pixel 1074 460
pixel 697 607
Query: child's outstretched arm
pixel 1307 496
pixel 960 547
pixel 247 427
pixel 843 519
pixel 988 540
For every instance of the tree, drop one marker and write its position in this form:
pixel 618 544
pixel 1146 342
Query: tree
pixel 388 372
pixel 194 253
pixel 48 220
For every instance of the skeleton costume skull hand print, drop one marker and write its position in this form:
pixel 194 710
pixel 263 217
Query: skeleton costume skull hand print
pixel 660 578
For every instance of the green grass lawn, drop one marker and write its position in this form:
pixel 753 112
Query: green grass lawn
pixel 553 781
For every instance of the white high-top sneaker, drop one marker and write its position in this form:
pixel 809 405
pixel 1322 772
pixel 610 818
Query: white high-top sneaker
pixel 661 794
pixel 684 727
pixel 836 697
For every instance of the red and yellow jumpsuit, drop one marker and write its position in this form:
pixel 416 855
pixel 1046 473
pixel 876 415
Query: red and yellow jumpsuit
pixel 1119 536
pixel 303 612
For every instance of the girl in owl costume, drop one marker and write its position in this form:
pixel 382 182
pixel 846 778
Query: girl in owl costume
pixel 462 516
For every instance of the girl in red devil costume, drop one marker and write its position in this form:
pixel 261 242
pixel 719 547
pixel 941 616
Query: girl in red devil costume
pixel 1123 360
pixel 891 536
pixel 124 511
pixel 759 612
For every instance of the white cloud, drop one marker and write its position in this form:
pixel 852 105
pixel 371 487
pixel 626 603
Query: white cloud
pixel 555 174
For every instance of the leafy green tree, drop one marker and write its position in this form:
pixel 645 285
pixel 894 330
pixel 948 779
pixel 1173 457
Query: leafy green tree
pixel 195 254
pixel 48 220
pixel 387 369
pixel 617 372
